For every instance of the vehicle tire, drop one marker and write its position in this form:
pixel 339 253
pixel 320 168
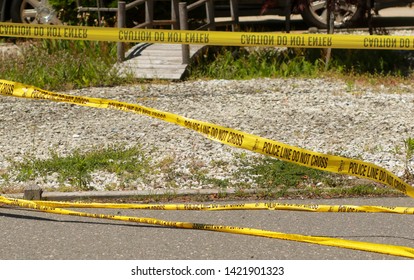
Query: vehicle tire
pixel 22 11
pixel 315 13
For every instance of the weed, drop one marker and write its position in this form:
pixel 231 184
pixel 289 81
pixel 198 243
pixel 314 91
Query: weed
pixel 75 169
pixel 276 175
pixel 350 85
pixel 244 63
pixel 409 153
pixel 64 65
pixel 241 63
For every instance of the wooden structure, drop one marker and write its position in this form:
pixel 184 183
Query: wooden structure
pixel 161 61
pixel 166 61
pixel 156 61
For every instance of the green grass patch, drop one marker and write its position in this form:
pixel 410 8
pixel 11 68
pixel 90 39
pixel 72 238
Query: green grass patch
pixel 63 64
pixel 246 63
pixel 275 175
pixel 243 63
pixel 129 163
pixel 409 154
pixel 273 178
pixel 256 178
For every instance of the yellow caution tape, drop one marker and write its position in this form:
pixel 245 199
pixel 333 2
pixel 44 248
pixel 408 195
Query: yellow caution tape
pixel 221 134
pixel 238 206
pixel 326 241
pixel 217 38
pixel 228 136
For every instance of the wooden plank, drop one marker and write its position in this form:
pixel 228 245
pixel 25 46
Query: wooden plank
pixel 156 61
pixel 158 75
pixel 158 66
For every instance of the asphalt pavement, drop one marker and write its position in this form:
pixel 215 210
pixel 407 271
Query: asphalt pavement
pixel 31 235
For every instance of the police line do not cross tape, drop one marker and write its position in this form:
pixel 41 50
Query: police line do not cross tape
pixel 225 135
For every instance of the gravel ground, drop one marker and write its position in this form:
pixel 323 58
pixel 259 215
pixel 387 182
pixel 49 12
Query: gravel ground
pixel 324 115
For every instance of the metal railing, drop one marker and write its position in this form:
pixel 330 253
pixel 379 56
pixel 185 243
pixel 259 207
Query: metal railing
pixel 149 20
pixel 210 24
pixel 178 18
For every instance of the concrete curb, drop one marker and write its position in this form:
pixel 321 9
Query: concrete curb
pixel 126 194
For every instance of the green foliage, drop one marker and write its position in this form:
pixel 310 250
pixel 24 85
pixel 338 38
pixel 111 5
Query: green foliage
pixel 273 174
pixel 243 63
pixel 62 65
pixel 383 62
pixel 127 162
pixel 364 190
pixel 67 12
pixel 409 147
pixel 409 150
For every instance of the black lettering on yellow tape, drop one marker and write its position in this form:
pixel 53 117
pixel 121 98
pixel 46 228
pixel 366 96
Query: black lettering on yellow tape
pixel 310 41
pixel 135 35
pixel 196 38
pixel 294 155
pixel 316 41
pixel 219 38
pixel 240 206
pixel 257 40
pixel 135 109
pixel 292 40
pixel 44 31
pixel 215 132
pixel 6 88
pixel 144 35
pixel 78 33
pixel 16 30
pixel 389 43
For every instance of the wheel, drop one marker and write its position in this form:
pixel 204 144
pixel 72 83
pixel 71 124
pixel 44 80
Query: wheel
pixel 33 11
pixel 315 13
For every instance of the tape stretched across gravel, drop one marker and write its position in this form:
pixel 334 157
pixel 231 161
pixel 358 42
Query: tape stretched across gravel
pixel 330 116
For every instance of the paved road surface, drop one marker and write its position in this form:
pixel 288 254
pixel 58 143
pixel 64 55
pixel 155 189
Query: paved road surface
pixel 26 234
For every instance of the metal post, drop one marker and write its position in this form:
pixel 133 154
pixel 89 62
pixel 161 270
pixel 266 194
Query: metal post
pixel 175 14
pixel 234 12
pixel 2 11
pixel 98 5
pixel 121 24
pixel 330 20
pixel 331 16
pixel 210 15
pixel 288 12
pixel 184 26
pixel 370 5
pixel 149 13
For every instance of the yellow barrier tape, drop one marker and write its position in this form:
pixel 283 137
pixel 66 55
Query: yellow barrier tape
pixel 394 250
pixel 228 136
pixel 217 38
pixel 238 206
